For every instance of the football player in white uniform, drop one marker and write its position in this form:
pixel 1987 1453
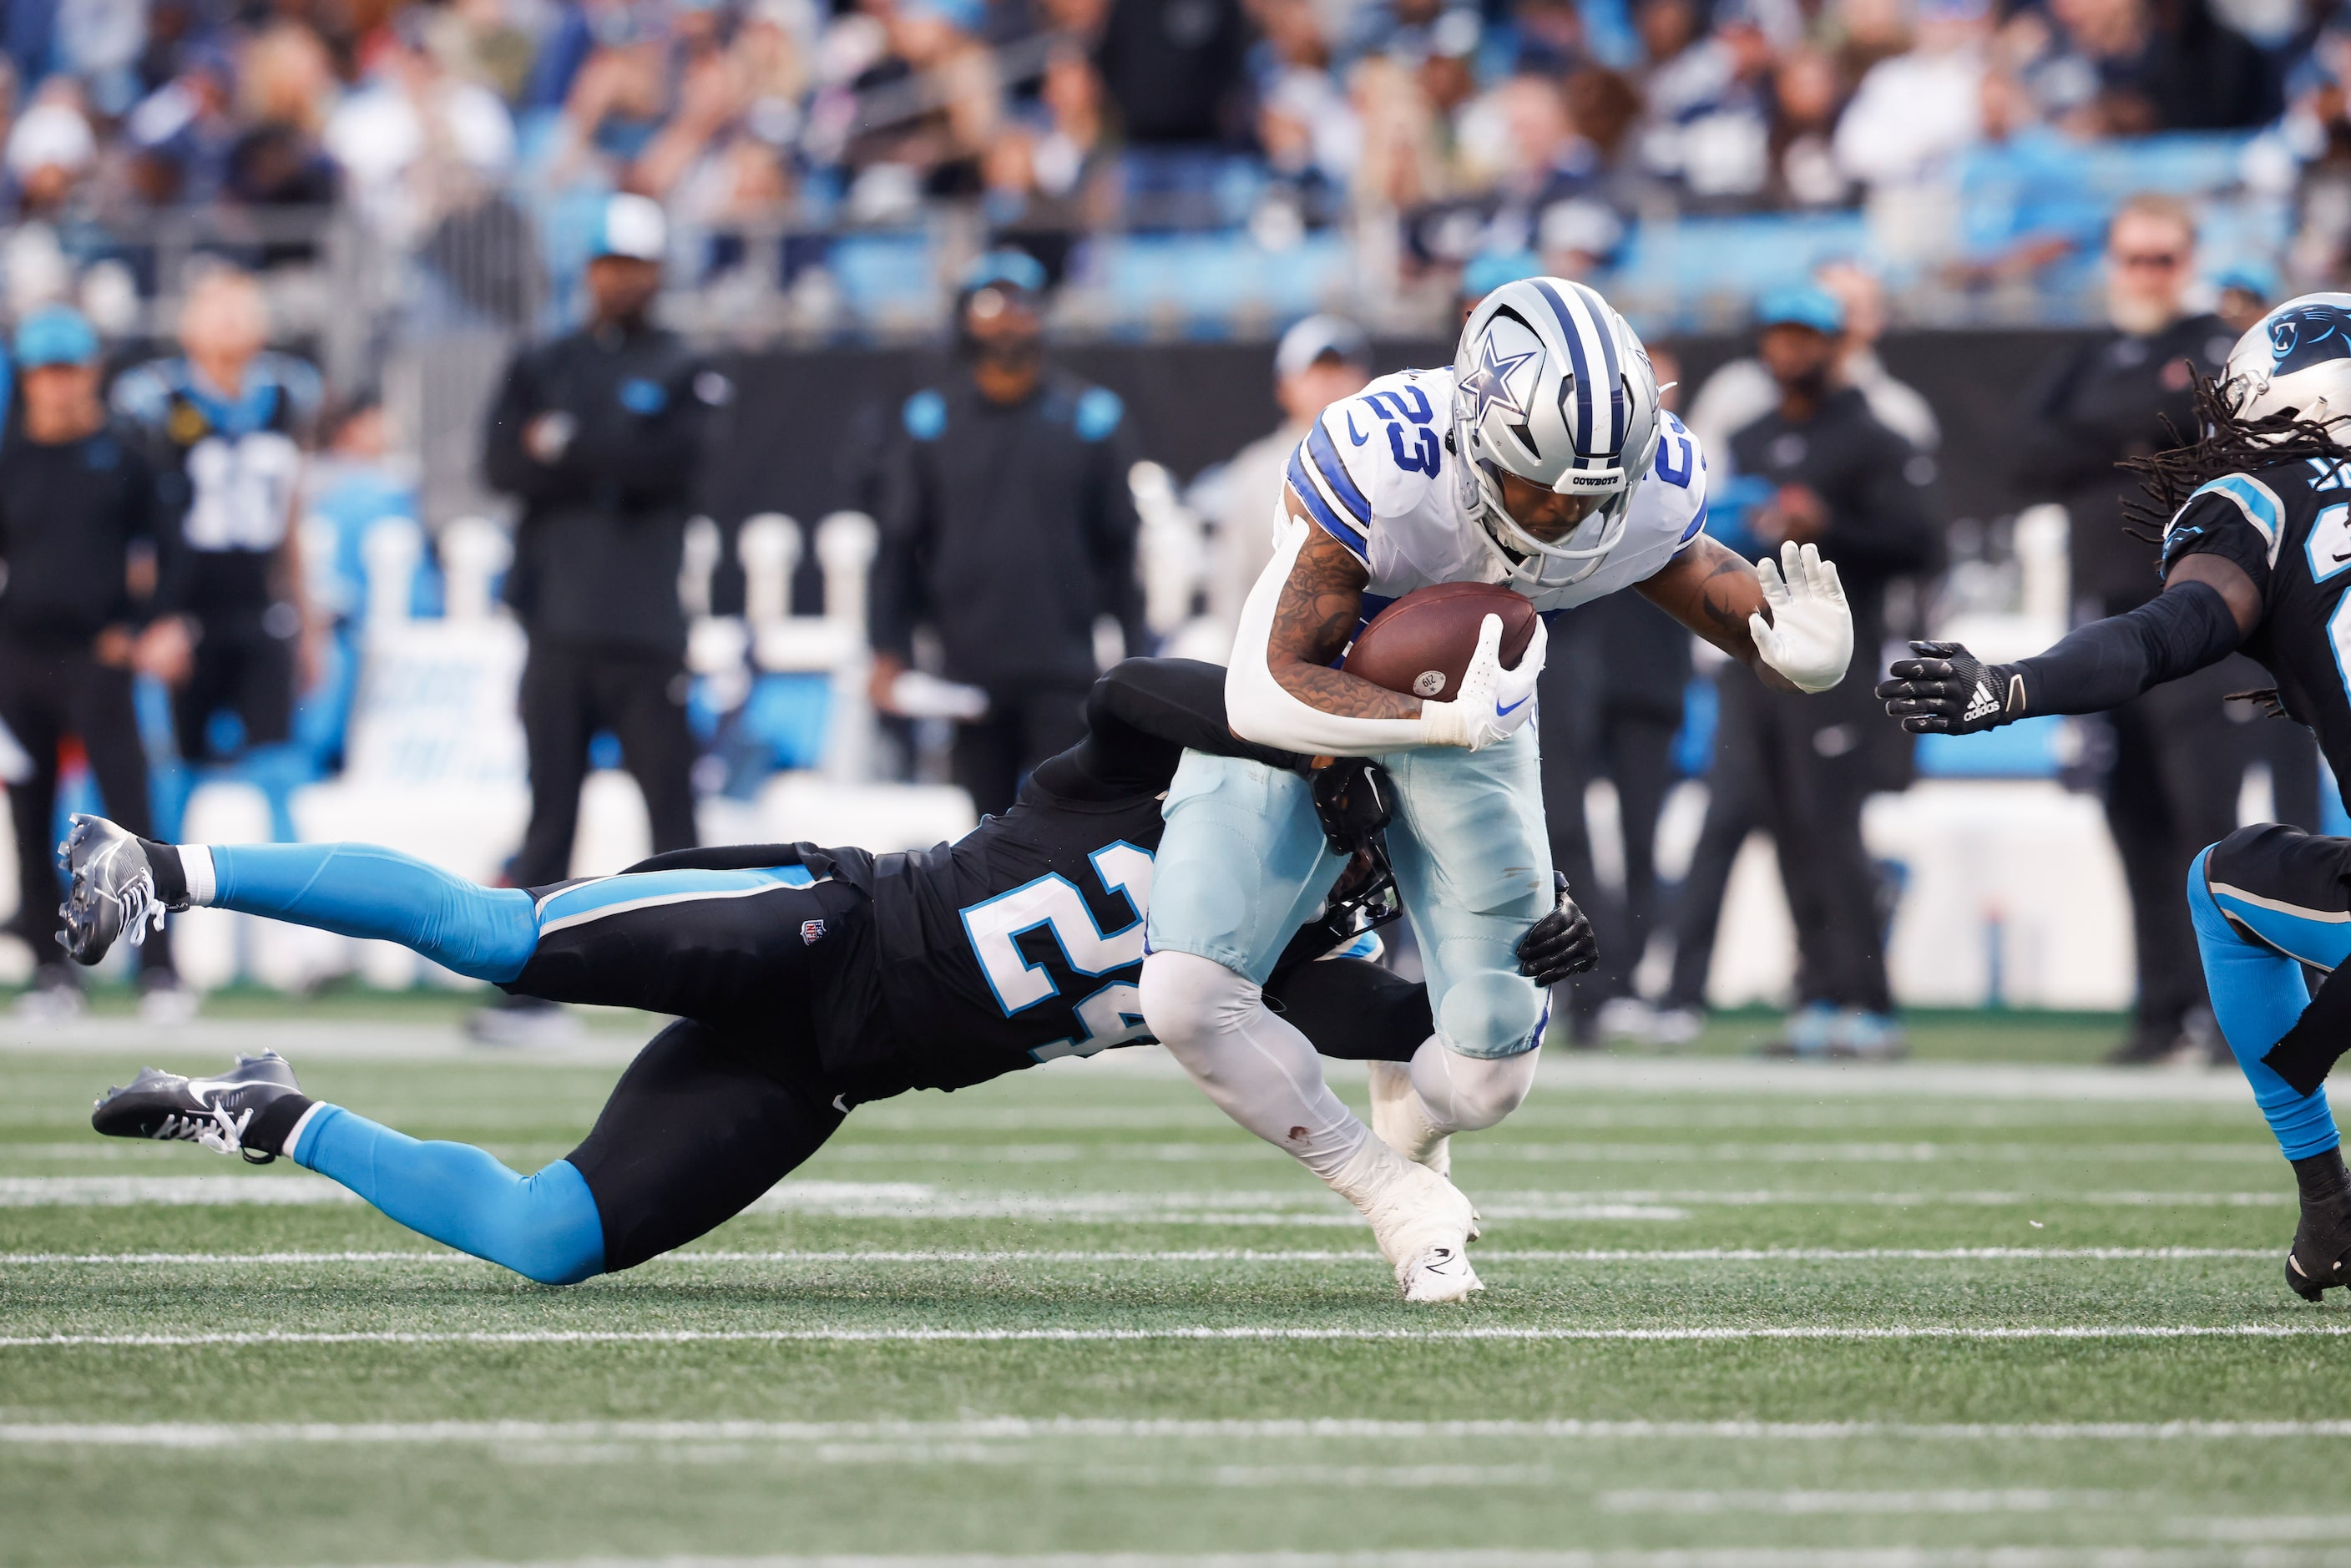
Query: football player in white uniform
pixel 1540 460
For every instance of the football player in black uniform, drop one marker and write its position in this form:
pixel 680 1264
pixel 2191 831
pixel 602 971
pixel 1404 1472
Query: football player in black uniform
pixel 2255 520
pixel 806 981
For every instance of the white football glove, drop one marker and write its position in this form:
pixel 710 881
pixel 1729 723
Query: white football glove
pixel 1809 638
pixel 1493 702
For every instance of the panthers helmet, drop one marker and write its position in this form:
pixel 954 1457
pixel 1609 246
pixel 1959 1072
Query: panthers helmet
pixel 1550 385
pixel 2295 361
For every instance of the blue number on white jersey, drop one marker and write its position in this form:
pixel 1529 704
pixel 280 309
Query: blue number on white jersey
pixel 1407 402
pixel 1112 1015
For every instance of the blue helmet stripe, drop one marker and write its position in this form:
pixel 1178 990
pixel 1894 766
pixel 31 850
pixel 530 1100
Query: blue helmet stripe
pixel 1319 510
pixel 1617 422
pixel 1581 435
pixel 1325 453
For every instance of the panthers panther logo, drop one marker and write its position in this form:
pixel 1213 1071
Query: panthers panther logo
pixel 2308 335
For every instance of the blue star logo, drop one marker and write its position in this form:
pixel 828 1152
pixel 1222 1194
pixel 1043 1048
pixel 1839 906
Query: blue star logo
pixel 1489 386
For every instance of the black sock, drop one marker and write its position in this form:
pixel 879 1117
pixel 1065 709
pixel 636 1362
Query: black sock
pixel 2322 1176
pixel 171 879
pixel 270 1124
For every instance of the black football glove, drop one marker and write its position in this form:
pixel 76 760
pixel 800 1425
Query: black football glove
pixel 1559 945
pixel 1351 797
pixel 1947 690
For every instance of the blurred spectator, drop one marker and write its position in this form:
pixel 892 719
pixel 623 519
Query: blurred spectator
pixel 1806 95
pixel 1913 112
pixel 1706 126
pixel 599 434
pixel 1007 531
pixel 182 133
pixel 2246 291
pixel 84 535
pixel 1831 476
pixel 928 106
pixel 1173 69
pixel 2130 67
pixel 1318 361
pixel 1744 390
pixel 416 142
pixel 2174 767
pixel 227 423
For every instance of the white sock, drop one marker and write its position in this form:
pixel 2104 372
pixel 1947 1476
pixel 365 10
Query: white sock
pixel 1455 1093
pixel 1261 1071
pixel 196 869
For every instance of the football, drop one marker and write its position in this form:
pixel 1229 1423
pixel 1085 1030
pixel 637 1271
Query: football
pixel 1421 644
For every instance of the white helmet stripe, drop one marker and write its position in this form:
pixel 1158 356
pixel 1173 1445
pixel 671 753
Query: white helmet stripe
pixel 1596 309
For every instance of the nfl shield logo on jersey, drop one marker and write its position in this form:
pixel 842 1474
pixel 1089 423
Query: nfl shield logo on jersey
pixel 810 930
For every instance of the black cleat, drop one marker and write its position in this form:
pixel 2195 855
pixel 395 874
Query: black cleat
pixel 213 1112
pixel 2322 1246
pixel 113 891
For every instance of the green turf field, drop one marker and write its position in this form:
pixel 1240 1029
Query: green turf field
pixel 1927 1316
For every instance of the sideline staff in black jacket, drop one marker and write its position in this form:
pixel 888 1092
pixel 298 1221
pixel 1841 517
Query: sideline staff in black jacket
pixel 1844 481
pixel 91 558
pixel 1007 527
pixel 599 435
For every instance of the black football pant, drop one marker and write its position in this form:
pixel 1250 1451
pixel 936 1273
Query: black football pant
pixel 45 696
pixel 1734 810
pixel 705 1119
pixel 241 670
pixel 568 692
pixel 1633 748
pixel 1024 727
pixel 1812 767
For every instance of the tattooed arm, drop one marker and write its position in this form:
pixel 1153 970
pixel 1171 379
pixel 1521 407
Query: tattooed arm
pixel 1279 689
pixel 1321 600
pixel 1710 590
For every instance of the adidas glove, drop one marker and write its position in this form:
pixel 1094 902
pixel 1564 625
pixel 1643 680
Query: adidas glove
pixel 1947 690
pixel 1559 945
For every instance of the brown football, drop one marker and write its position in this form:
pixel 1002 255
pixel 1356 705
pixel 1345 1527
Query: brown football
pixel 1420 644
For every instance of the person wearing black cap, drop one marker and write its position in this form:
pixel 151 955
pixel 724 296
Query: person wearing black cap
pixel 1008 530
pixel 89 546
pixel 599 434
pixel 1828 473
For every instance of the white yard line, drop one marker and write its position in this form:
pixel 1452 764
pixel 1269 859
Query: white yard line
pixel 917 1200
pixel 1236 1332
pixel 1023 1429
pixel 1684 1557
pixel 1225 1255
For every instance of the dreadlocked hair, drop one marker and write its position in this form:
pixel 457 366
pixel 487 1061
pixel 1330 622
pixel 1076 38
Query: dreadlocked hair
pixel 2228 444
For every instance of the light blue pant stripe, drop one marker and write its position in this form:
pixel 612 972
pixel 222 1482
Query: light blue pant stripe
pixel 2258 994
pixel 544 1227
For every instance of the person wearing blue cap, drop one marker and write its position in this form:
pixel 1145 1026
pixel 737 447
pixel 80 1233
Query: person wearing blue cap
pixel 599 436
pixel 1827 472
pixel 1008 530
pixel 88 550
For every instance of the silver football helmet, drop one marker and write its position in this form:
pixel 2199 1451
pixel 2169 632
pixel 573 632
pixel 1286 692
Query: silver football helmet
pixel 1552 385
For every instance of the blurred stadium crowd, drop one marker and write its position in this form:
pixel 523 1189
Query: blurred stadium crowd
pixel 1218 162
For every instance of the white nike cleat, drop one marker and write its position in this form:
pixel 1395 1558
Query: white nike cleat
pixel 1422 1224
pixel 1439 1274
pixel 1398 1119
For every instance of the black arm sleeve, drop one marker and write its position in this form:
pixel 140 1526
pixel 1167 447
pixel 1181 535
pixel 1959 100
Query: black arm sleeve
pixel 1140 719
pixel 2179 630
pixel 1353 1009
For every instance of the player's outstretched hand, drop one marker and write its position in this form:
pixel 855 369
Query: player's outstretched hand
pixel 1947 690
pixel 1809 638
pixel 1493 702
pixel 1559 945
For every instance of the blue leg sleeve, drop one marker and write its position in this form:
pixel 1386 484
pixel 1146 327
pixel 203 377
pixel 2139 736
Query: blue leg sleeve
pixel 2257 995
pixel 545 1226
pixel 362 890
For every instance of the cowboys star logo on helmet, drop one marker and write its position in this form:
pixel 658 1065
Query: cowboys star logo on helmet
pixel 1548 386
